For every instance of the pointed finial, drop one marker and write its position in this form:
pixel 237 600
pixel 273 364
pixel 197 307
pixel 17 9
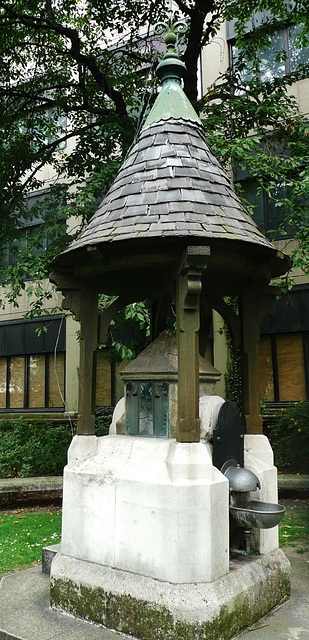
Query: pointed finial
pixel 171 66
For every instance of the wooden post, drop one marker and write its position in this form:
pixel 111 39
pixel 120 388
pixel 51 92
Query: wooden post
pixel 87 367
pixel 188 290
pixel 250 337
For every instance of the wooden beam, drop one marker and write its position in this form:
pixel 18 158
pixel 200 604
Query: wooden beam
pixel 188 290
pixel 87 367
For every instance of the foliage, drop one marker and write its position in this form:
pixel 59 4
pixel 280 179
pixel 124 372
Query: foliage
pixel 294 527
pixel 255 125
pixel 71 102
pixel 39 447
pixel 288 433
pixel 32 448
pixel 129 331
pixel 24 534
pixel 103 418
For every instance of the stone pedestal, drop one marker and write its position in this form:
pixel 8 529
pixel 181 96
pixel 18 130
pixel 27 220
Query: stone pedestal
pixel 145 539
pixel 155 507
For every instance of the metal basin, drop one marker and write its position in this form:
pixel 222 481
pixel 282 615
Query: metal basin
pixel 262 515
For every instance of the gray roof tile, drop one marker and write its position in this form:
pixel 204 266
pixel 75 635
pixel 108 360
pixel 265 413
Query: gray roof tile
pixel 170 184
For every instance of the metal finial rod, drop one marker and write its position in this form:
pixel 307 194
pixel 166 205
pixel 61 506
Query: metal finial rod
pixel 180 26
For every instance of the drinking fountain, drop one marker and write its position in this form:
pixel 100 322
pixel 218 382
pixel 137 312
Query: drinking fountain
pixel 228 457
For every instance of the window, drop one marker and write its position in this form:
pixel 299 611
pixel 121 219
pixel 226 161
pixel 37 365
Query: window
pixel 282 56
pixel 266 214
pixel 29 229
pixel 282 376
pixel 284 349
pixel 31 378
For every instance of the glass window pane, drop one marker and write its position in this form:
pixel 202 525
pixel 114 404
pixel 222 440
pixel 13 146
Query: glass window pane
pixel 256 200
pixel 242 67
pixel 147 408
pixel 270 68
pixel 37 381
pixel 291 371
pixel 298 54
pixel 56 379
pixel 160 409
pixel 3 369
pixel 103 382
pixel 276 214
pixel 266 378
pixel 132 408
pixel 17 382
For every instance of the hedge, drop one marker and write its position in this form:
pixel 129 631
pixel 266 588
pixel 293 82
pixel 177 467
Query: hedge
pixel 38 447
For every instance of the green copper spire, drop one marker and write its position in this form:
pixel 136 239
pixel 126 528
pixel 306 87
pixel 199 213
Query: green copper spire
pixel 171 101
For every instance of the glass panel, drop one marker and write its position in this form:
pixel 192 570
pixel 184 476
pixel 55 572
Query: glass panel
pixel 56 381
pixel 147 408
pixel 245 69
pixel 103 382
pixel 36 381
pixel 266 377
pixel 132 408
pixel 291 371
pixel 17 382
pixel 160 409
pixel 256 200
pixel 276 214
pixel 270 68
pixel 298 54
pixel 3 369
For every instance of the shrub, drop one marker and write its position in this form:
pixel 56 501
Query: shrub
pixel 39 447
pixel 33 448
pixel 103 418
pixel 289 437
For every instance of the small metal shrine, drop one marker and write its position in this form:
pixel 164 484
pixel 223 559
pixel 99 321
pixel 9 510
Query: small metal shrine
pixel 143 514
pixel 151 388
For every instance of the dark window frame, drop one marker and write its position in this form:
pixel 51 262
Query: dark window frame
pixel 27 348
pixel 25 408
pixel 287 49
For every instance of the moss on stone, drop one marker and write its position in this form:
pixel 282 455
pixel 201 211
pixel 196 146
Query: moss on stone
pixel 147 621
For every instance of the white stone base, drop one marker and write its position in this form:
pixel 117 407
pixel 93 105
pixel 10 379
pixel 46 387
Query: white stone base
pixel 154 507
pixel 259 459
pixel 155 610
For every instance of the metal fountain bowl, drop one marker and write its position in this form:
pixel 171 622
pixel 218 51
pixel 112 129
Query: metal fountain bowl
pixel 262 515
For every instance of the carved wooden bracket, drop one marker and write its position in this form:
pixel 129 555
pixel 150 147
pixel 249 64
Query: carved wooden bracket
pixel 188 290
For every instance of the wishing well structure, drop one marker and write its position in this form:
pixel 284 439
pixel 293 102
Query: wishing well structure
pixel 145 540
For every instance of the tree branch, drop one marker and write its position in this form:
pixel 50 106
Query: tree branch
pixel 75 51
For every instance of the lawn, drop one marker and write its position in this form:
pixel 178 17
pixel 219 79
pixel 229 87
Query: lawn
pixel 23 534
pixel 294 528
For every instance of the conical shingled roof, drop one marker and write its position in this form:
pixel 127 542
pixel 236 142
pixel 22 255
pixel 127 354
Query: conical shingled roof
pixel 171 184
pixel 170 192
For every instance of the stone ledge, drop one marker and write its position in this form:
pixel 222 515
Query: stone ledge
pixel 24 485
pixel 154 610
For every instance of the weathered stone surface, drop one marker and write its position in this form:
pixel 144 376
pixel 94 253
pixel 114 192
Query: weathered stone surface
pixel 155 610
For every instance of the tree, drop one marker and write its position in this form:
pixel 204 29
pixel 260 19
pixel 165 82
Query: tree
pixel 75 81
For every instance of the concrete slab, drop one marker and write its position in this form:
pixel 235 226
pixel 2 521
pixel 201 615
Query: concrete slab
pixel 291 620
pixel 25 613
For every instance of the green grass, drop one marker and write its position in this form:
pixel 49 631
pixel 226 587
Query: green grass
pixel 294 527
pixel 22 536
